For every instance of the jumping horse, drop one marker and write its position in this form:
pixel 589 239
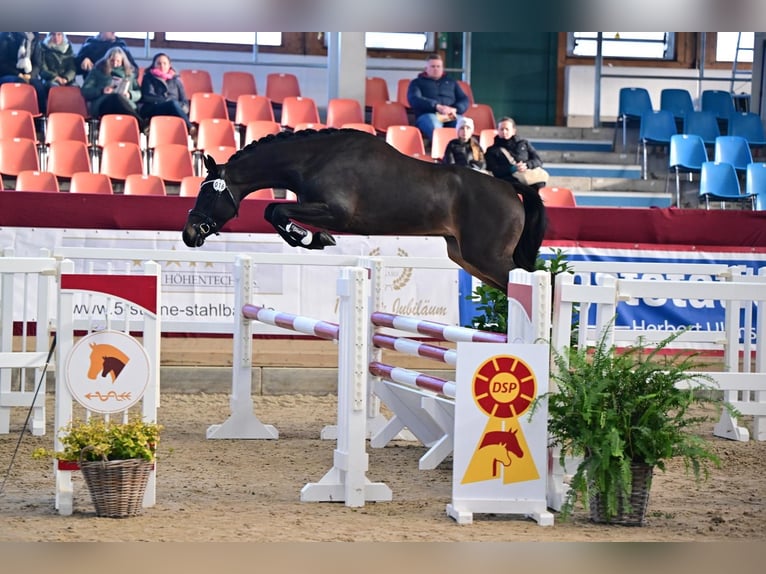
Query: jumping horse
pixel 352 182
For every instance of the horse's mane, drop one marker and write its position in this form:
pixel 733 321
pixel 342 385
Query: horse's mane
pixel 286 136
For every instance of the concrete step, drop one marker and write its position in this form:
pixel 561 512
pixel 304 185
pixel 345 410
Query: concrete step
pixel 587 156
pixel 572 145
pixel 593 170
pixel 565 132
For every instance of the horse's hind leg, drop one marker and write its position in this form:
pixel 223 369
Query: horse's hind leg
pixel 280 215
pixel 455 254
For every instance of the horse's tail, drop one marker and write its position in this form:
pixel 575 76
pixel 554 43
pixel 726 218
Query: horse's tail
pixel 535 223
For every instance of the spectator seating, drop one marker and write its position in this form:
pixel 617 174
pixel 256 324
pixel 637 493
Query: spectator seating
pixel 207 105
pixel 66 157
pixel 719 182
pixel 755 184
pixel 196 81
pixel 408 140
pixel 89 182
pixel 19 96
pixel 297 109
pixel 703 124
pixel 141 184
pixel 441 137
pixel 251 108
pixel 557 196
pixel 308 126
pixel 257 129
pixel 733 150
pixel 375 91
pixel 749 126
pixel 633 102
pixel 280 86
pixel 121 159
pixel 363 127
pixel 482 115
pixel 486 137
pixel 190 185
pixel 32 180
pixel 467 90
pixel 343 111
pixel 687 154
pixel 677 101
pixel 385 114
pixel 172 162
pixel 657 126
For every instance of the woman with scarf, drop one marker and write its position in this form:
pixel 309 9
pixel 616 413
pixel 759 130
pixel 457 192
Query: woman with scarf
pixel 111 87
pixel 162 93
pixel 20 62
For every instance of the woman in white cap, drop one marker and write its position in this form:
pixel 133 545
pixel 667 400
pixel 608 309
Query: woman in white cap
pixel 464 149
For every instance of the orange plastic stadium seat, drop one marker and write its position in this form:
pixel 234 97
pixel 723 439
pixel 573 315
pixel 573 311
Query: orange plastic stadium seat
pixel 19 96
pixel 17 124
pixel 253 107
pixel 441 137
pixel 30 180
pixel 308 126
pixel 140 184
pixel 386 114
pixel 118 128
pixel 482 116
pixel 66 157
pixel 257 129
pixel 401 91
pixel 267 193
pixel 88 182
pixel 486 137
pixel 408 140
pixel 557 196
pixel 17 155
pixel 172 162
pixel 280 86
pixel 66 126
pixel 344 111
pixel 375 91
pixel 121 159
pixel 236 83
pixel 207 105
pixel 67 99
pixel 195 81
pixel 362 127
pixel 220 153
pixel 190 185
pixel 167 129
pixel 296 110
pixel 215 132
pixel 466 87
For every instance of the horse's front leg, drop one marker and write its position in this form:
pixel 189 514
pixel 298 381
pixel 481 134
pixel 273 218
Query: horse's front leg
pixel 280 215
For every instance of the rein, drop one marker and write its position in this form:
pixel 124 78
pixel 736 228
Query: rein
pixel 208 225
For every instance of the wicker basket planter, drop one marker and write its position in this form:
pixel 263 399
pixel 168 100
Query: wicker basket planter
pixel 117 486
pixel 639 500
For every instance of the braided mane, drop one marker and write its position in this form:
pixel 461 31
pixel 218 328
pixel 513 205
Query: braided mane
pixel 282 136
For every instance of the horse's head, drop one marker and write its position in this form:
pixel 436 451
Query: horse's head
pixel 215 206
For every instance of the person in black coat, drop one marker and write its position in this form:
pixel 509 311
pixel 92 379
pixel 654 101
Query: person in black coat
pixel 96 47
pixel 436 99
pixel 162 93
pixel 510 154
pixel 464 149
pixel 20 56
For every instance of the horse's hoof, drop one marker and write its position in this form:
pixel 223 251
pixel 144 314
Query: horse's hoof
pixel 324 239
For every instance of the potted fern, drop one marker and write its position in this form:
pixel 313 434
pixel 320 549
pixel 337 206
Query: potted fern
pixel 626 412
pixel 115 459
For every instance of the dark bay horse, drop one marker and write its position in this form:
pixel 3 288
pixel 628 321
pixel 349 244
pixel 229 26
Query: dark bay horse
pixel 350 181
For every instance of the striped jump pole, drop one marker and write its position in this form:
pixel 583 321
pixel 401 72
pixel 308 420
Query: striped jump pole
pixel 305 325
pixel 415 348
pixel 413 378
pixel 436 330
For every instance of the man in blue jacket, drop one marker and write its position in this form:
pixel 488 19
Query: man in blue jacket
pixel 95 47
pixel 436 99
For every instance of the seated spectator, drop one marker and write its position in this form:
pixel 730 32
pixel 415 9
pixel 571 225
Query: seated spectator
pixel 57 67
pixel 96 47
pixel 20 62
pixel 111 87
pixel 465 149
pixel 436 99
pixel 511 156
pixel 162 93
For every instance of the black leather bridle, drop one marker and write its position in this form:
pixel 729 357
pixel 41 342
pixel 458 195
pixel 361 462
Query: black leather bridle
pixel 207 225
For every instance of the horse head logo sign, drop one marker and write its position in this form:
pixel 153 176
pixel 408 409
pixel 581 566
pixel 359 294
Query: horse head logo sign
pixel 503 388
pixel 107 371
pixel 106 359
